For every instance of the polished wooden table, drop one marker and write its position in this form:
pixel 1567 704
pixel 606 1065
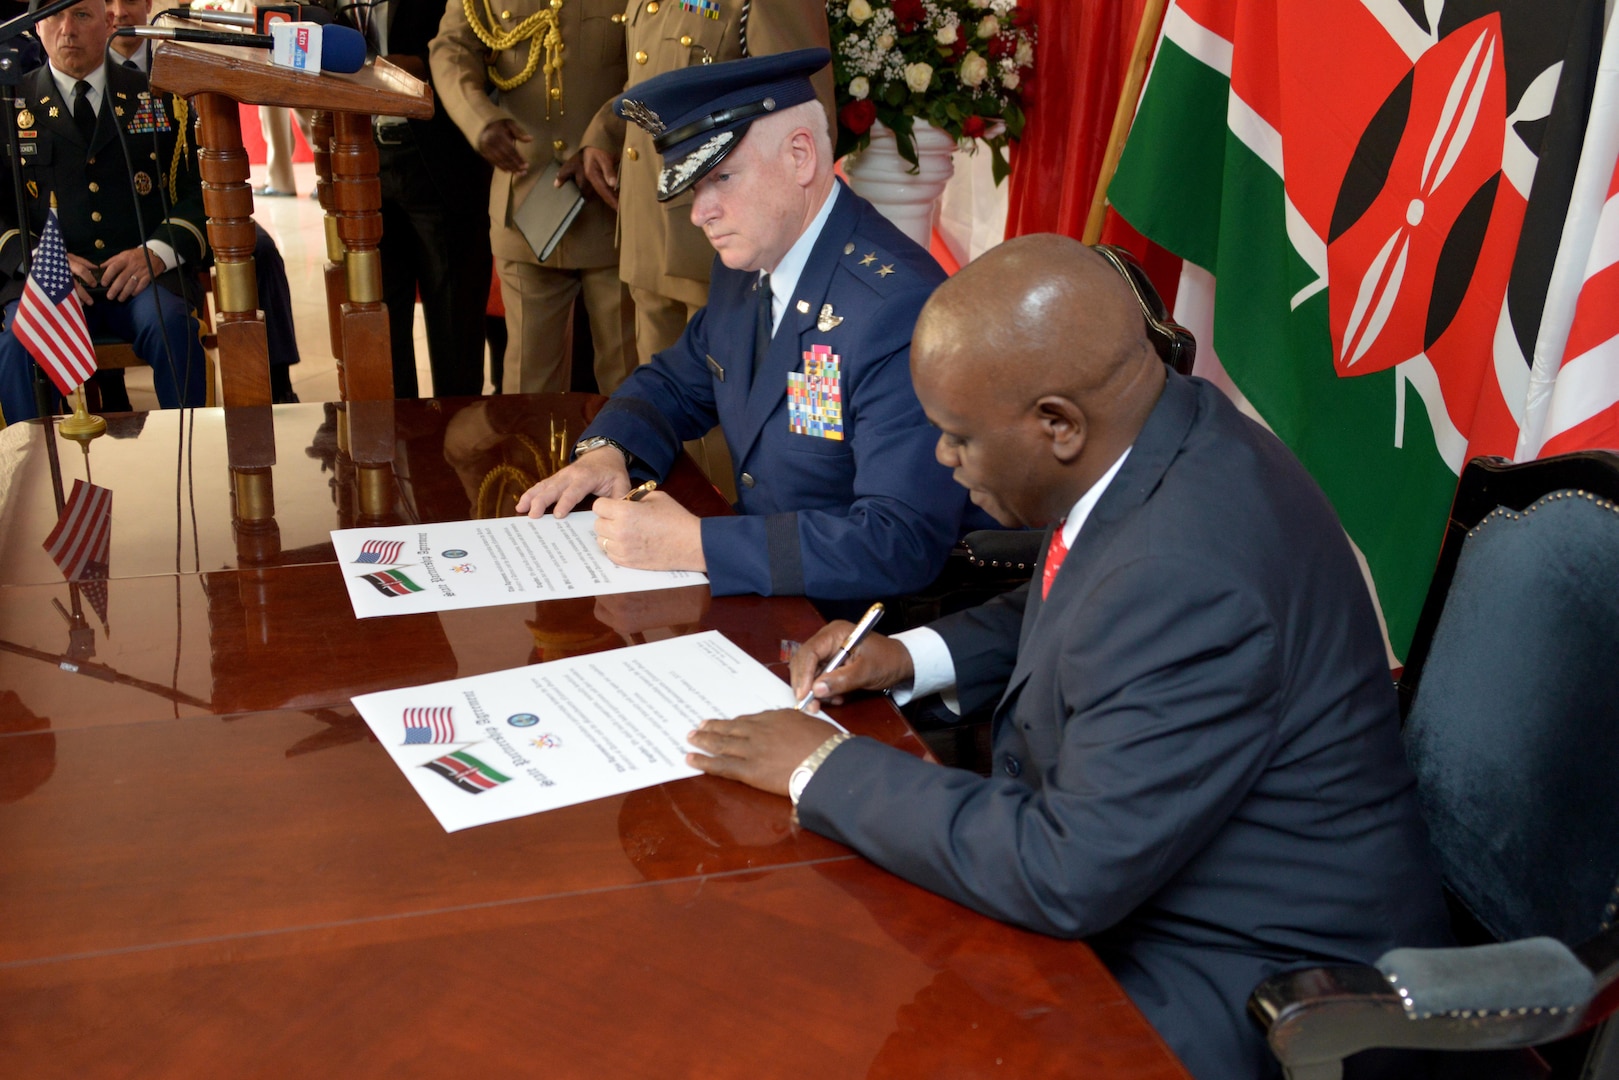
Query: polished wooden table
pixel 208 867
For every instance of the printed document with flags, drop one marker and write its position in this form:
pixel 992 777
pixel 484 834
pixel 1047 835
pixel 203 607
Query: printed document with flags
pixel 50 321
pixel 512 743
pixel 407 569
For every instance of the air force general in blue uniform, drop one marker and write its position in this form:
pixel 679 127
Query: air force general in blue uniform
pixel 840 495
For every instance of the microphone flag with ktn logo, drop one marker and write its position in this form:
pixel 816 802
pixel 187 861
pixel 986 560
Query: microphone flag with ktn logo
pixel 297 45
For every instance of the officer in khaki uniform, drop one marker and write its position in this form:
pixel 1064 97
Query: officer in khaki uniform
pixel 554 62
pixel 663 257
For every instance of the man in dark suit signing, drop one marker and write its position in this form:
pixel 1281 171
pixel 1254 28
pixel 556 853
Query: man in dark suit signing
pixel 1197 763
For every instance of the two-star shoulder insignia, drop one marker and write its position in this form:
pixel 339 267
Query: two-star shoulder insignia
pixel 888 268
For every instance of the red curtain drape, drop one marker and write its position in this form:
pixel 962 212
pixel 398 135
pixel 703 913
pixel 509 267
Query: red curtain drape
pixel 1080 61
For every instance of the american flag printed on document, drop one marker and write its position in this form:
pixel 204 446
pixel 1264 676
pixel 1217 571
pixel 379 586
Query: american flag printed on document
pixel 380 551
pixel 429 725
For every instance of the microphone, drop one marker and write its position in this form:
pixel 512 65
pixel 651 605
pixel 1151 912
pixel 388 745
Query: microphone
pixel 270 14
pixel 342 48
pixel 224 18
pixel 259 22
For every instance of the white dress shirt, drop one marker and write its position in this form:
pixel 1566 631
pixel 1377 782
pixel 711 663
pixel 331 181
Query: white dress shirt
pixel 784 278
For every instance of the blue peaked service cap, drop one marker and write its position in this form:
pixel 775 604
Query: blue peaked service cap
pixel 698 115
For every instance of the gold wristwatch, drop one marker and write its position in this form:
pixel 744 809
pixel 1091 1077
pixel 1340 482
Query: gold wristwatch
pixel 800 779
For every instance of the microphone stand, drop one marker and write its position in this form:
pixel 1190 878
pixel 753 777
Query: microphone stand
pixel 11 77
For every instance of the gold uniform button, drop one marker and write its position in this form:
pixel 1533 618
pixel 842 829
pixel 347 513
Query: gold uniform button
pixel 505 14
pixel 685 40
pixel 556 5
pixel 100 244
pixel 559 145
pixel 94 187
pixel 652 7
pixel 90 161
pixel 95 215
pixel 618 19
pixel 631 153
pixel 153 155
pixel 640 56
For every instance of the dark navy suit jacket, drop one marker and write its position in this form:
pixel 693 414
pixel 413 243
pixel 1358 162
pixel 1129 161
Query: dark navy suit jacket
pixel 872 514
pixel 1197 752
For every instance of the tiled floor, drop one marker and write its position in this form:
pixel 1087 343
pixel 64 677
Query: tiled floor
pixel 300 234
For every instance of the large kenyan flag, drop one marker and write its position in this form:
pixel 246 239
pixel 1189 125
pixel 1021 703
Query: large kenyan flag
pixel 1355 174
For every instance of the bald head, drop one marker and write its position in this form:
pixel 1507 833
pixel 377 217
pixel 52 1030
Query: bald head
pixel 1036 315
pixel 1043 338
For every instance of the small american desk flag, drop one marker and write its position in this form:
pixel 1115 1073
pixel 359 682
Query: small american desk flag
pixel 49 321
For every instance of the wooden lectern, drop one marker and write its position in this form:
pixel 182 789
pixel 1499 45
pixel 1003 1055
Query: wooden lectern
pixel 216 78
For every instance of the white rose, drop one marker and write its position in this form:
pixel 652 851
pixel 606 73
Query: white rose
pixel 917 76
pixel 859 11
pixel 981 4
pixel 988 26
pixel 1010 80
pixel 1024 55
pixel 946 34
pixel 974 70
pixel 885 42
pixel 859 87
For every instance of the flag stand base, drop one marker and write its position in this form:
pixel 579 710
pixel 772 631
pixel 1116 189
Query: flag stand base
pixel 81 426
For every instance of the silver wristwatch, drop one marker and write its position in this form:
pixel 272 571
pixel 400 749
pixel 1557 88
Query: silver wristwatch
pixel 596 442
pixel 799 780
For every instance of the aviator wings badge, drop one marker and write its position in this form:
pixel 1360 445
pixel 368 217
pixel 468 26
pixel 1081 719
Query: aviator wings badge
pixel 826 321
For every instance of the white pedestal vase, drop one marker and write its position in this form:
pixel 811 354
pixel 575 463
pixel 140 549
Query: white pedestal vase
pixel 910 200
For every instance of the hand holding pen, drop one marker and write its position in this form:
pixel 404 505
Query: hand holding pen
pixel 842 653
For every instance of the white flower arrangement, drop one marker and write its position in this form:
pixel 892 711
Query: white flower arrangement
pixel 958 64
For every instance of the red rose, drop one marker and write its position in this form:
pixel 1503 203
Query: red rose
pixel 958 47
pixel 908 15
pixel 857 117
pixel 1002 46
pixel 973 127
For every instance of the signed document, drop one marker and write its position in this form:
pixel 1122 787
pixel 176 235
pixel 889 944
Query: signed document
pixel 511 743
pixel 407 569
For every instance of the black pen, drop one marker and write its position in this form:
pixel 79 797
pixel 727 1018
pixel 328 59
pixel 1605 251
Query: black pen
pixel 850 643
pixel 641 491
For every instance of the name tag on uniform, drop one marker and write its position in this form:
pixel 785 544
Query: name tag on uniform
pixel 815 396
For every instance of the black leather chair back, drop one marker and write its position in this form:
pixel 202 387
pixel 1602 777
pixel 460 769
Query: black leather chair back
pixel 1512 698
pixel 1175 344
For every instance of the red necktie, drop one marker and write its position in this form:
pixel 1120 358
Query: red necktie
pixel 1056 552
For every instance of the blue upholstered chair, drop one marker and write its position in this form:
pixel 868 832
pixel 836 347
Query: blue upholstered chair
pixel 1511 703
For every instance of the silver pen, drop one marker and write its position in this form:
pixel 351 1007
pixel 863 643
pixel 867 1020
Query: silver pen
pixel 850 643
